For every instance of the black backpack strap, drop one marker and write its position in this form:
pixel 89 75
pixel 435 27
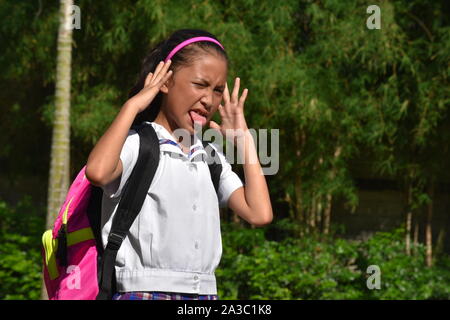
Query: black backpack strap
pixel 134 193
pixel 214 164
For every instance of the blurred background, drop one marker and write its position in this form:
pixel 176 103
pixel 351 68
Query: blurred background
pixel 363 116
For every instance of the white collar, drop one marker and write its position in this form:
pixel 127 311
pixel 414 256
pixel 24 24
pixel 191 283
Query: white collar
pixel 195 149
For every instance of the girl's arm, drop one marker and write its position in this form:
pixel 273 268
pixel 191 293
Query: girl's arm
pixel 104 164
pixel 251 202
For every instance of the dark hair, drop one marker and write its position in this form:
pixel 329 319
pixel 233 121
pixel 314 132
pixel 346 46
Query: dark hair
pixel 184 57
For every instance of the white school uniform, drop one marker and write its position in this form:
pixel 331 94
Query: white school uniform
pixel 174 245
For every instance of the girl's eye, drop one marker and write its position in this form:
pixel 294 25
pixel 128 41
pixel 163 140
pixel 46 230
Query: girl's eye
pixel 204 85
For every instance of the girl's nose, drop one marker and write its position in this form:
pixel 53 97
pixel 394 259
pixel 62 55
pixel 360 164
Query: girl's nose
pixel 207 100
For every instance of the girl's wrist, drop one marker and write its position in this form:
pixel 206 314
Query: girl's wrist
pixel 131 106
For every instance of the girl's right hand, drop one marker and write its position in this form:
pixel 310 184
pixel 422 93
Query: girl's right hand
pixel 152 85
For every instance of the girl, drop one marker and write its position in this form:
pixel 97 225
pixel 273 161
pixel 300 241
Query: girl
pixel 174 245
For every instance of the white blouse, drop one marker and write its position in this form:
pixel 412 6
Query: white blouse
pixel 174 245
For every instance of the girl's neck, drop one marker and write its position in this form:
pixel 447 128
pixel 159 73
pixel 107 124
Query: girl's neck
pixel 162 120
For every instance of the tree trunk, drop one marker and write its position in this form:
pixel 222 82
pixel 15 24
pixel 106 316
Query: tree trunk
pixel 416 228
pixel 329 197
pixel 318 206
pixel 439 247
pixel 408 219
pixel 301 214
pixel 319 213
pixel 428 228
pixel 312 214
pixel 60 151
pixel 327 214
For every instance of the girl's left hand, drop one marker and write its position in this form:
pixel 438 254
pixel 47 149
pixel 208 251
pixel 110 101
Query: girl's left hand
pixel 232 113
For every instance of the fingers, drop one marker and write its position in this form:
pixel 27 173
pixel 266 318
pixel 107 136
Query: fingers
pixel 160 75
pixel 226 95
pixel 161 71
pixel 148 79
pixel 214 125
pixel 221 111
pixel 233 100
pixel 158 68
pixel 234 95
pixel 242 98
pixel 167 76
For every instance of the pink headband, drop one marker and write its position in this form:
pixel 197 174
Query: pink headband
pixel 189 41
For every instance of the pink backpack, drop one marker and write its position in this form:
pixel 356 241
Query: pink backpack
pixel 75 278
pixel 76 265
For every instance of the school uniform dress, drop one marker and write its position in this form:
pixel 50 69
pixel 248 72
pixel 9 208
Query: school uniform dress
pixel 174 245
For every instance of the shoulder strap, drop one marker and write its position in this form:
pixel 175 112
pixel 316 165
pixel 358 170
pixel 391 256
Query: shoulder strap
pixel 130 205
pixel 214 164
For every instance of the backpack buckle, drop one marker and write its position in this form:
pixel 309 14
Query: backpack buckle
pixel 115 241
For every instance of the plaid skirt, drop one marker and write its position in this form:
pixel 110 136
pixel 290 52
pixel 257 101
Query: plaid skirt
pixel 162 296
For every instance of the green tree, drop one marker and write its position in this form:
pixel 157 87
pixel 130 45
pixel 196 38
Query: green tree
pixel 60 151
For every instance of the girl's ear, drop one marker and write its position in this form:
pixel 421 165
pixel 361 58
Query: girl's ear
pixel 165 87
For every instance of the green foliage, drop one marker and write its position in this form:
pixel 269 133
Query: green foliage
pixel 291 269
pixel 20 256
pixel 403 276
pixel 91 112
pixel 324 268
pixel 252 267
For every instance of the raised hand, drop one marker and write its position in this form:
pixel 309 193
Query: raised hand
pixel 233 121
pixel 152 85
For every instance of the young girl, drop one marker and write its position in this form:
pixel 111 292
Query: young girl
pixel 174 245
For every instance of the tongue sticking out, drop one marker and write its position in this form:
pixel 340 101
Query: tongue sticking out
pixel 197 118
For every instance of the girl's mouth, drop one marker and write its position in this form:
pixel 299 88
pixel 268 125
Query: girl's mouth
pixel 197 118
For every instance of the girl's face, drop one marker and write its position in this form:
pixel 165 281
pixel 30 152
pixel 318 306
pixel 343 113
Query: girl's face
pixel 196 87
